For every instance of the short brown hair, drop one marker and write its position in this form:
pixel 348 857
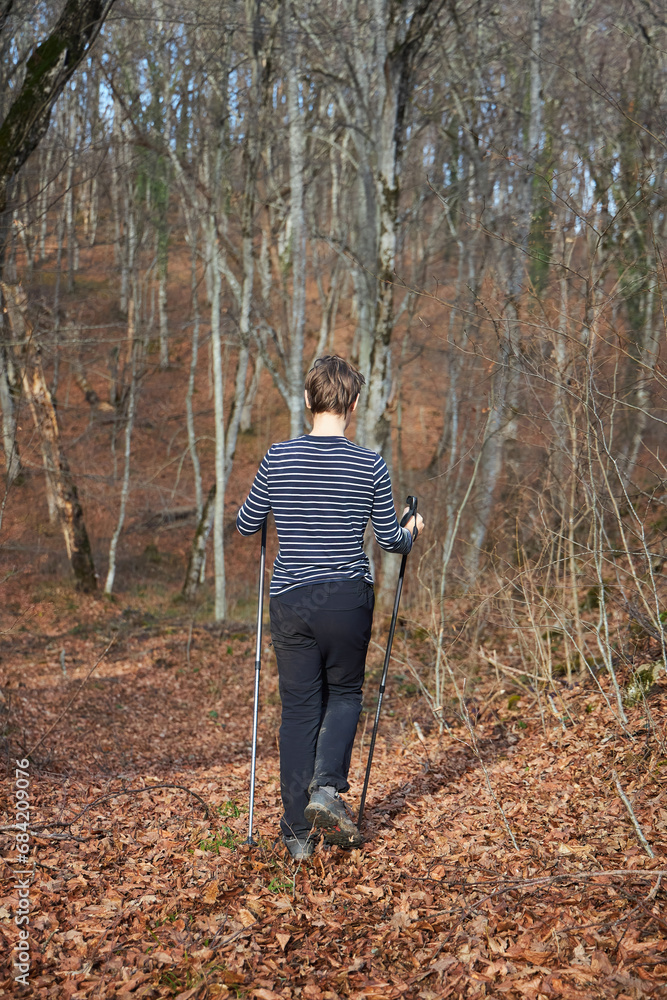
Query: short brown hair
pixel 333 384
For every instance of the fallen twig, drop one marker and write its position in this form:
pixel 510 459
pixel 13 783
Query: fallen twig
pixel 230 937
pixel 36 833
pixel 72 699
pixel 508 885
pixel 654 891
pixel 493 660
pixel 126 791
pixel 635 822
pixel 518 883
pixel 476 751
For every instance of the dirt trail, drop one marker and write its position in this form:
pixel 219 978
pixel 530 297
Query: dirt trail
pixel 146 890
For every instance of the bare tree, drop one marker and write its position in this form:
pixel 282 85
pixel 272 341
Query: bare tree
pixel 47 71
pixel 42 408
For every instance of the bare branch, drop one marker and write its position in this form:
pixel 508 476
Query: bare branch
pixel 48 69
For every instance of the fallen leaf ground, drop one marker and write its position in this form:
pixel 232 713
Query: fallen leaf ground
pixel 143 885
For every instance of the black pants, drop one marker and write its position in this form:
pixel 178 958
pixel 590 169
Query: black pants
pixel 320 635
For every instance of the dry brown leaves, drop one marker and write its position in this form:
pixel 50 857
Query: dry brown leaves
pixel 148 894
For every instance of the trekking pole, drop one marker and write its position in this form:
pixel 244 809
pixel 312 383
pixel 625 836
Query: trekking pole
pixel 258 667
pixel 411 502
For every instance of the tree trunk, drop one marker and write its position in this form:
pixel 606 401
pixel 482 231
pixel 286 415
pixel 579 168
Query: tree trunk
pixel 162 267
pixel 218 403
pixel 114 192
pixel 43 412
pixel 198 549
pixel 647 351
pixel 502 425
pixel 129 425
pixel 246 413
pixel 365 288
pixel 189 414
pixel 298 247
pixel 386 199
pixel 69 197
pixel 47 71
pixel 9 442
pixel 22 224
pixel 43 213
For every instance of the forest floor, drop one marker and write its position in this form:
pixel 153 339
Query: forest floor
pixel 499 858
pixel 142 884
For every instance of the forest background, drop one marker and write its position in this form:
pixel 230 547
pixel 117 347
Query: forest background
pixel 466 199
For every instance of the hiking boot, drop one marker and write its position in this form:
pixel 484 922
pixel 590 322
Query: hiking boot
pixel 327 812
pixel 300 849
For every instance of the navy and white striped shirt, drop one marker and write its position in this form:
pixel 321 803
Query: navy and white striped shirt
pixel 322 491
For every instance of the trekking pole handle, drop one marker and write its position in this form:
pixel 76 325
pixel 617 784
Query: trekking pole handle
pixel 411 502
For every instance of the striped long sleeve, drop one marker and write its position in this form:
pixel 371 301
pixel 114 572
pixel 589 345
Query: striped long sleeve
pixel 322 491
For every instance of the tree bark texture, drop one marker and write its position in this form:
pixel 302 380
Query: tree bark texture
pixel 502 425
pixel 9 443
pixel 129 426
pixel 42 408
pixel 396 48
pixel 47 71
pixel 297 150
pixel 198 549
pixel 218 402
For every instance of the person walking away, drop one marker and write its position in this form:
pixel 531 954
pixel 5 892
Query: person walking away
pixel 323 489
